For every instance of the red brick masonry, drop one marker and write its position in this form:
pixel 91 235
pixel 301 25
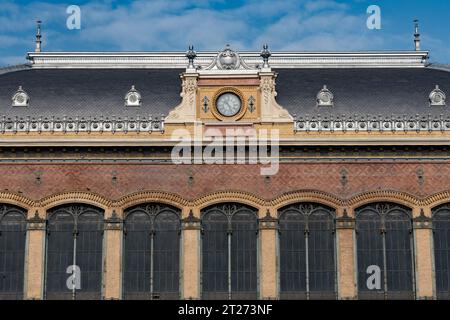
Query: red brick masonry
pixel 113 181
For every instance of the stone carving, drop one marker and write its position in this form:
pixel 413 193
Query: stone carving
pixel 325 97
pixel 185 111
pixel 437 97
pixel 271 111
pixel 133 98
pixel 20 98
pixel 228 59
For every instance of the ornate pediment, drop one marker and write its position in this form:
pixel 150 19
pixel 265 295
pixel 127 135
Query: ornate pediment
pixel 228 59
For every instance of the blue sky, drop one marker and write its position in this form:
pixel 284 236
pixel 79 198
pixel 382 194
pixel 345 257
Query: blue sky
pixel 148 25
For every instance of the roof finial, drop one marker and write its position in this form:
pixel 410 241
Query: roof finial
pixel 191 55
pixel 416 35
pixel 38 37
pixel 265 54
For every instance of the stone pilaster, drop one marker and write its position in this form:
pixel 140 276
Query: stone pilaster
pixel 113 255
pixel 35 255
pixel 423 246
pixel 345 244
pixel 268 282
pixel 190 260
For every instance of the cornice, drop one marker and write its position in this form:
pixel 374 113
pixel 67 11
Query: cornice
pixel 178 60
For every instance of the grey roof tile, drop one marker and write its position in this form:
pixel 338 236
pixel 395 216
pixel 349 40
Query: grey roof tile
pixel 100 92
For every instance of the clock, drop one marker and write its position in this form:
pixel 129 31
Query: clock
pixel 228 104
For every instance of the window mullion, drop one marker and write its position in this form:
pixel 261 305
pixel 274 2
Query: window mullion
pixel 307 259
pixel 152 254
pixel 229 263
pixel 383 236
pixel 74 259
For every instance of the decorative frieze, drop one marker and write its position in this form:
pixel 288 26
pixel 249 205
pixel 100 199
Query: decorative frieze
pixel 357 123
pixel 87 125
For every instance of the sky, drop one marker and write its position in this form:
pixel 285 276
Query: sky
pixel 171 25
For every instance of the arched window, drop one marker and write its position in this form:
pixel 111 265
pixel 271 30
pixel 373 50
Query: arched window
pixel 12 251
pixel 385 252
pixel 441 240
pixel 74 252
pixel 152 252
pixel 307 252
pixel 229 252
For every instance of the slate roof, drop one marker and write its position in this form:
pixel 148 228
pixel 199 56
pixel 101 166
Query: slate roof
pixel 100 92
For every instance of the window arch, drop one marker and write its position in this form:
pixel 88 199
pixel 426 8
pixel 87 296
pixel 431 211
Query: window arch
pixel 152 252
pixel 13 228
pixel 229 252
pixel 385 251
pixel 74 238
pixel 441 241
pixel 307 252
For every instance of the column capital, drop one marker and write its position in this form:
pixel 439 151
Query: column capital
pixel 422 221
pixel 268 222
pixel 345 221
pixel 36 222
pixel 114 222
pixel 191 222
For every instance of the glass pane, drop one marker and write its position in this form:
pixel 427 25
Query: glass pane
pixel 12 251
pixel 137 254
pixel 370 252
pixel 215 255
pixel 294 222
pixel 141 261
pixel 166 275
pixel 89 254
pixel 441 239
pixel 244 254
pixel 396 256
pixel 321 248
pixel 292 254
pixel 86 222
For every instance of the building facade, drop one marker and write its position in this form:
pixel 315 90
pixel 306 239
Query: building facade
pixel 115 187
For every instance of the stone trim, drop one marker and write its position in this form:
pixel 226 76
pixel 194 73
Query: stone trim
pixel 345 221
pixel 191 222
pixel 422 221
pixel 371 123
pixel 268 222
pixel 179 60
pixel 36 222
pixel 114 222
pixel 81 125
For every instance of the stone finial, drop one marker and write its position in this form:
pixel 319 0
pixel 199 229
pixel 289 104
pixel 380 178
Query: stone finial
pixel 191 55
pixel 265 54
pixel 38 36
pixel 416 35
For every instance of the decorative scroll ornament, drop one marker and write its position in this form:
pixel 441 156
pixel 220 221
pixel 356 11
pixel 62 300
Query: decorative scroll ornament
pixel 325 98
pixel 437 97
pixel 133 98
pixel 228 59
pixel 20 98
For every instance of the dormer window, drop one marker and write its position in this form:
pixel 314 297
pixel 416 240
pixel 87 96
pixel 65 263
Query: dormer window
pixel 325 98
pixel 437 98
pixel 20 98
pixel 133 98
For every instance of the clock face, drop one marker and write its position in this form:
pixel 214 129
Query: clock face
pixel 228 104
